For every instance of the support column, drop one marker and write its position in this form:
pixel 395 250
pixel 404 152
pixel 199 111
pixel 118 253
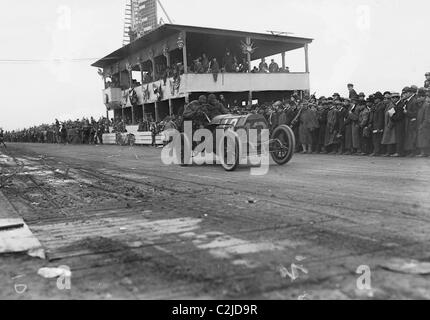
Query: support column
pixel 187 98
pixel 141 73
pixel 283 60
pixel 153 68
pixel 133 117
pixel 157 117
pixel 107 122
pixel 184 52
pixel 170 107
pixel 248 55
pixel 168 59
pixel 250 98
pixel 141 82
pixel 307 58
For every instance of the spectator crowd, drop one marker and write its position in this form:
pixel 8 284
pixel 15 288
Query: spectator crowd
pixel 391 124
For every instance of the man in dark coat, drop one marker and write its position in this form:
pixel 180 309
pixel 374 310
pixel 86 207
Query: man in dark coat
pixel 322 112
pixel 365 132
pixel 411 127
pixel 423 120
pixel 228 62
pixel 194 112
pixel 308 123
pixel 214 107
pixel 273 67
pixel 378 123
pixel 342 109
pixel 352 92
pixel 389 137
pixel 398 120
pixel 427 82
pixel 2 138
pixel 332 129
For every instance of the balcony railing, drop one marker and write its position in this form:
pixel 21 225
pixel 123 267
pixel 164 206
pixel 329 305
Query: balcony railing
pixel 239 82
pixel 225 82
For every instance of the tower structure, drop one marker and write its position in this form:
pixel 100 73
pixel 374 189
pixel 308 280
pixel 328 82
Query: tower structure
pixel 140 18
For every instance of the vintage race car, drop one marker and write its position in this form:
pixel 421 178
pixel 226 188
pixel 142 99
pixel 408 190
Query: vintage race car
pixel 281 143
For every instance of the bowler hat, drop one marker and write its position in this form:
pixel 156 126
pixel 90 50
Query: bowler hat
pixel 378 95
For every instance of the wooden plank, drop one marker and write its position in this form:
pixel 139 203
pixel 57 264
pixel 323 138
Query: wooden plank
pixel 15 236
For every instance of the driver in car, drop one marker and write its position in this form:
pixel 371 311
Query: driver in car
pixel 195 111
pixel 215 108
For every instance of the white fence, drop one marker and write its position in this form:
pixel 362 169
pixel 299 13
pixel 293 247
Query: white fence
pixel 142 138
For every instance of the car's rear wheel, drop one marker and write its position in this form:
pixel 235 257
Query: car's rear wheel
pixel 282 145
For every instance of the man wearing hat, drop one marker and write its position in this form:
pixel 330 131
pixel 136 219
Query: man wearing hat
pixel 389 137
pixel 411 127
pixel 352 92
pixel 332 129
pixel 352 143
pixel 377 123
pixel 365 131
pixel 2 138
pixel 342 106
pixel 398 120
pixel 423 120
pixel 322 112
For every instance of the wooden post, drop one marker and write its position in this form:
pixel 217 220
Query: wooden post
pixel 184 52
pixel 141 73
pixel 248 55
pixel 170 107
pixel 141 83
pixel 168 59
pixel 307 58
pixel 133 117
pixel 250 98
pixel 283 60
pixel 157 117
pixel 107 122
pixel 153 68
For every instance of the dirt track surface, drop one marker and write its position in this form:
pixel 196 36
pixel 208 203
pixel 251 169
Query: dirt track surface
pixel 131 228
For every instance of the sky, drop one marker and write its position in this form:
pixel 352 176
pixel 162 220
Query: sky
pixel 47 47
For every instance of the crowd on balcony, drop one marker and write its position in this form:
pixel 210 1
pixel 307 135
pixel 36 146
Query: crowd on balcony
pixel 231 63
